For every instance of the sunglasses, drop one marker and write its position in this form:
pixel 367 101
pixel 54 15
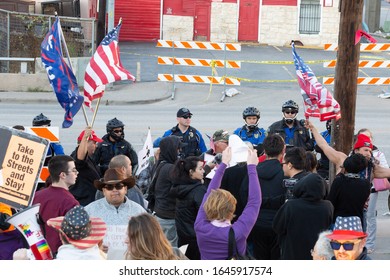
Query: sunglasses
pixel 348 246
pixel 187 117
pixel 118 130
pixel 290 112
pixel 118 187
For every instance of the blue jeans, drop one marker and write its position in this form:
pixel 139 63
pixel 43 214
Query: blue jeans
pixel 169 228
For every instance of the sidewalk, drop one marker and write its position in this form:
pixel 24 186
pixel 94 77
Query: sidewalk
pixel 120 93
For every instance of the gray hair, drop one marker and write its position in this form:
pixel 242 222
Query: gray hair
pixel 322 245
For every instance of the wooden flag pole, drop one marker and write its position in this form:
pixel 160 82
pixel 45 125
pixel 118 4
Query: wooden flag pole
pixel 71 67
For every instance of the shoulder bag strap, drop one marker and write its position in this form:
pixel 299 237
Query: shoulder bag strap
pixel 232 244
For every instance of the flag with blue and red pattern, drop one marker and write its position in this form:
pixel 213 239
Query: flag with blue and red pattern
pixel 318 101
pixel 60 75
pixel 104 67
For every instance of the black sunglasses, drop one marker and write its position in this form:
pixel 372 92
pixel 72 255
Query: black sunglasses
pixel 111 187
pixel 291 112
pixel 348 246
pixel 187 117
pixel 118 130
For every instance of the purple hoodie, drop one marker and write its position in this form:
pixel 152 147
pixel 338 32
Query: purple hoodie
pixel 212 240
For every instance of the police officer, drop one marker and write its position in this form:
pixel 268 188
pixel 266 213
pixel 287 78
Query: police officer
pixel 54 148
pixel 113 144
pixel 189 135
pixel 250 131
pixel 293 131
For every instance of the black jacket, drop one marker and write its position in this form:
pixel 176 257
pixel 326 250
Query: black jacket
pixel 232 181
pixel 165 200
pixel 270 173
pixel 189 196
pixel 83 190
pixel 299 221
pixel 301 134
pixel 348 196
pixel 106 150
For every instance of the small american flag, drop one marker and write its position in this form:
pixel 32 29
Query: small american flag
pixel 318 101
pixel 104 67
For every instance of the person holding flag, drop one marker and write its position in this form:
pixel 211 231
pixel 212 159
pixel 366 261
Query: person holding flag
pixel 292 130
pixel 60 75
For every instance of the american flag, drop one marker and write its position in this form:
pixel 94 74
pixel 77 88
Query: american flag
pixel 104 67
pixel 60 75
pixel 318 101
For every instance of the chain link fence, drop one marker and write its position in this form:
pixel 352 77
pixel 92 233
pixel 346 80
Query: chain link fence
pixel 21 35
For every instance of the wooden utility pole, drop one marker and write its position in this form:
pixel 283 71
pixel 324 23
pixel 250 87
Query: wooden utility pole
pixel 347 68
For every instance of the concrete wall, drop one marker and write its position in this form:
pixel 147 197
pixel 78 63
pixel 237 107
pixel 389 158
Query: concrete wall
pixel 39 81
pixel 280 24
pixel 223 25
pixel 179 28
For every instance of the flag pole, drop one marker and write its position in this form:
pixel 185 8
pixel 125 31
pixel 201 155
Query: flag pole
pixel 95 111
pixel 70 64
pixel 98 101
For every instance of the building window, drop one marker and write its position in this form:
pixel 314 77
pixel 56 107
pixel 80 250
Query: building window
pixel 310 17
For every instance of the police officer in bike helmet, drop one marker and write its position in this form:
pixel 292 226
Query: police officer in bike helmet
pixel 250 131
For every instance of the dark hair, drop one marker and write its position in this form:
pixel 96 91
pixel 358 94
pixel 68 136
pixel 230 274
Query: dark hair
pixel 273 145
pixel 182 167
pixel 296 156
pixel 310 161
pixel 19 127
pixel 355 163
pixel 58 164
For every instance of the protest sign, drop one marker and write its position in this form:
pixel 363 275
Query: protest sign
pixel 21 159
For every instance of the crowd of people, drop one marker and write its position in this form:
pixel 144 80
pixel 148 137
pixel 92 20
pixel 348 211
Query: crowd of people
pixel 272 192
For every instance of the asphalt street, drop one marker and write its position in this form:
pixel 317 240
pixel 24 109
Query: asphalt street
pixel 148 103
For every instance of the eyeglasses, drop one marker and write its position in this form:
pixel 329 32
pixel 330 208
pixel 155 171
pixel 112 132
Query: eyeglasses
pixel 70 171
pixel 283 163
pixel 290 112
pixel 348 246
pixel 117 130
pixel 118 187
pixel 187 117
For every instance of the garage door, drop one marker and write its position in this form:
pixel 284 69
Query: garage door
pixel 141 19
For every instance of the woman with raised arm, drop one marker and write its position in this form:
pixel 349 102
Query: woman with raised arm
pixel 213 221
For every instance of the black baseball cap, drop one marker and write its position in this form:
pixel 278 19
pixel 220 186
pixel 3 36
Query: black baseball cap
pixel 183 112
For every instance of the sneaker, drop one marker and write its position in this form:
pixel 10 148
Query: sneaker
pixel 386 214
pixel 370 251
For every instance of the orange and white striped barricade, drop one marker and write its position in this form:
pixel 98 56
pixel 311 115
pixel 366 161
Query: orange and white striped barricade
pixel 197 45
pixel 371 47
pixel 198 79
pixel 164 60
pixel 50 133
pixel 363 81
